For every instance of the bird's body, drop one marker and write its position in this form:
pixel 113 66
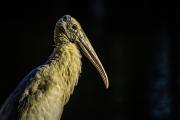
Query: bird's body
pixel 44 91
pixel 42 94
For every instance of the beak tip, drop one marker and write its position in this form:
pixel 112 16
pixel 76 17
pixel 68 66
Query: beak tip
pixel 107 84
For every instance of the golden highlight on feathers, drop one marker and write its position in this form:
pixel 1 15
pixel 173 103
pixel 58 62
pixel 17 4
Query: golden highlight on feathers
pixel 53 84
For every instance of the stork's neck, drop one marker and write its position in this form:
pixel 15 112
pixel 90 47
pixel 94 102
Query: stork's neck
pixel 65 61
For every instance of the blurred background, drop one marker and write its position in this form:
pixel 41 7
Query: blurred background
pixel 137 41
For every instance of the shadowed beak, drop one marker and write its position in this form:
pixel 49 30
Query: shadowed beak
pixel 89 52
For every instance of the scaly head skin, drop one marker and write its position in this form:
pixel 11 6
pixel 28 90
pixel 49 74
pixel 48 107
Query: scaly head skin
pixel 69 28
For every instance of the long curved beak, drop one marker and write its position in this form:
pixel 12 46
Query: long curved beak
pixel 89 52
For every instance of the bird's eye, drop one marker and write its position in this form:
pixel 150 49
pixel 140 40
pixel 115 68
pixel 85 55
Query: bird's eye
pixel 74 27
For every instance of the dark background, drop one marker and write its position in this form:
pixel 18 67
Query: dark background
pixel 137 42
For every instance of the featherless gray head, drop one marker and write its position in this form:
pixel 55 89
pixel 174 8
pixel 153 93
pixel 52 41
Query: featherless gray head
pixel 68 28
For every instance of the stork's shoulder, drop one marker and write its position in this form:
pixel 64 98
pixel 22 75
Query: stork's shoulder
pixel 31 76
pixel 30 83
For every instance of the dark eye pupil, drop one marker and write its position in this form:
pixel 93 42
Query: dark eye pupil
pixel 74 27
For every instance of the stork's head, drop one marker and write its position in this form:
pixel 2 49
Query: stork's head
pixel 70 30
